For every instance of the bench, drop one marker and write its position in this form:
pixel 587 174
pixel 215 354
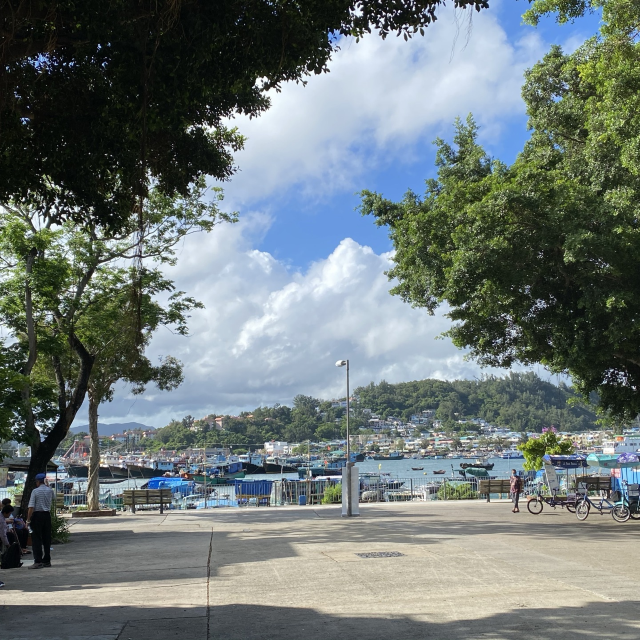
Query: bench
pixel 135 497
pixel 594 483
pixel 487 487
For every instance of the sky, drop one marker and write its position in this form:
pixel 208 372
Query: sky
pixel 299 281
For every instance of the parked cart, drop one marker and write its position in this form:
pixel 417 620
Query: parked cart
pixel 550 492
pixel 609 500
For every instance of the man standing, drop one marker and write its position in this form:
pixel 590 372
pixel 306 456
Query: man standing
pixel 516 488
pixel 39 518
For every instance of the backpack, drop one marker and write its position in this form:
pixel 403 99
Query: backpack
pixel 11 557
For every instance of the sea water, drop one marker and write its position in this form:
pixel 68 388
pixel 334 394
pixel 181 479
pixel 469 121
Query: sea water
pixel 403 468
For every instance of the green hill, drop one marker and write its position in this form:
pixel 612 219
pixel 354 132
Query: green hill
pixel 521 401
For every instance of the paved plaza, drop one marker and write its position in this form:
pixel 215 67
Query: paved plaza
pixel 467 570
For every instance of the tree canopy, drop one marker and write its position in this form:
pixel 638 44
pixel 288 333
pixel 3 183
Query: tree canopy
pixel 98 99
pixel 538 261
pixel 73 296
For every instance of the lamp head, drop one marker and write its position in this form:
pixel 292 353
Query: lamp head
pixel 341 363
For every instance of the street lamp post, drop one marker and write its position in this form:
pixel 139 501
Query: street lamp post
pixel 346 482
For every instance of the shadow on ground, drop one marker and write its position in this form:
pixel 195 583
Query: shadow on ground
pixel 97 558
pixel 246 622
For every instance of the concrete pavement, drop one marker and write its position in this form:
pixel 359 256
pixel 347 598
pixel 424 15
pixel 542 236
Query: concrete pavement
pixel 467 570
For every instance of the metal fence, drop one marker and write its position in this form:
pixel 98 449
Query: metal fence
pixel 283 492
pixel 72 494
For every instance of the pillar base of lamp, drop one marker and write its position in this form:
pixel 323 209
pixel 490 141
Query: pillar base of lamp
pixel 350 490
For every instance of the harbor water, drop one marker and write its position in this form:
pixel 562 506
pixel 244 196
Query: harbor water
pixel 403 468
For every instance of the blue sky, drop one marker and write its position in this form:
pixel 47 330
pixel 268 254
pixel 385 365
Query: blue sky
pixel 307 228
pixel 299 282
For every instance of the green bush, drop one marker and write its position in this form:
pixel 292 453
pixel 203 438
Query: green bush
pixel 548 442
pixel 332 494
pixel 449 491
pixel 59 528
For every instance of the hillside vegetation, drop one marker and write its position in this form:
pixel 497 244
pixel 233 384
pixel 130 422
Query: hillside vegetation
pixel 520 401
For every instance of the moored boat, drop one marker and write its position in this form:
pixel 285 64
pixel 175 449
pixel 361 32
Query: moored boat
pixel 82 471
pixel 394 455
pixel 278 465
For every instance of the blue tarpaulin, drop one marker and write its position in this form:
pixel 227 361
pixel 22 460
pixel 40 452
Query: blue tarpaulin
pixel 253 487
pixel 177 485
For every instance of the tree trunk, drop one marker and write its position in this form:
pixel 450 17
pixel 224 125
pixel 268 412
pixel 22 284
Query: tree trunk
pixel 93 487
pixel 68 410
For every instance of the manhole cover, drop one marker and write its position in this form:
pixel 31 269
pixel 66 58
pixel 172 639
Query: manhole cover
pixel 380 554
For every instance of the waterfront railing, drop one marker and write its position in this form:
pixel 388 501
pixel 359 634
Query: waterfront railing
pixel 279 492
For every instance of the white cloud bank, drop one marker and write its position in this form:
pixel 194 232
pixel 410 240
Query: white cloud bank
pixel 268 334
pixel 380 98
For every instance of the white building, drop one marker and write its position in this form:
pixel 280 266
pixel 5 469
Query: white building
pixel 276 448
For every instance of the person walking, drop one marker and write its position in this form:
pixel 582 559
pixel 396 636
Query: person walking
pixel 515 484
pixel 39 517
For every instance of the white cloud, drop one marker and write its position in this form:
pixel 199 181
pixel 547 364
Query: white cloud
pixel 268 334
pixel 380 98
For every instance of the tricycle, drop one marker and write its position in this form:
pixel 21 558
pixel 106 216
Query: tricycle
pixel 553 497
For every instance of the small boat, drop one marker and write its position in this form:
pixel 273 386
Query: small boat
pixel 394 455
pixel 488 466
pixel 480 463
pixel 417 468
pixel 439 471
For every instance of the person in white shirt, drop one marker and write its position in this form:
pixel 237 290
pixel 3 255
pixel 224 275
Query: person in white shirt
pixel 39 517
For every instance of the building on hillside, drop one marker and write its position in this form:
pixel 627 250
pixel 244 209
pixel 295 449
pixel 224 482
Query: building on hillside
pixel 276 448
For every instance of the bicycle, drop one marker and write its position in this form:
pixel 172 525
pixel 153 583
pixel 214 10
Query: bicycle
pixel 536 504
pixel 629 507
pixel 619 512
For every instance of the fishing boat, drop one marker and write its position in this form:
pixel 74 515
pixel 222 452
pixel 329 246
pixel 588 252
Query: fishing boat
pixel 278 465
pixel 252 463
pixel 394 455
pixel 118 471
pixel 512 454
pixel 141 471
pixel 417 468
pixel 82 471
pixel 218 474
pixel 476 472
pixel 439 472
pixel 143 468
pixel 479 463
pixel 322 468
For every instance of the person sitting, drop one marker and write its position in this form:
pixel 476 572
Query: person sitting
pixel 17 527
pixel 4 529
pixel 12 532
pixel 4 539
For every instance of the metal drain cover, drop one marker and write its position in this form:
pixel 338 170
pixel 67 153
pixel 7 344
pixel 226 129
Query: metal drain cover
pixel 380 554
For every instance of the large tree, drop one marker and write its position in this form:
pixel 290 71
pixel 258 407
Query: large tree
pixel 56 280
pixel 98 98
pixel 539 261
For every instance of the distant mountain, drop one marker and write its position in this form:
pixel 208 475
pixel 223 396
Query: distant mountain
pixel 113 428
